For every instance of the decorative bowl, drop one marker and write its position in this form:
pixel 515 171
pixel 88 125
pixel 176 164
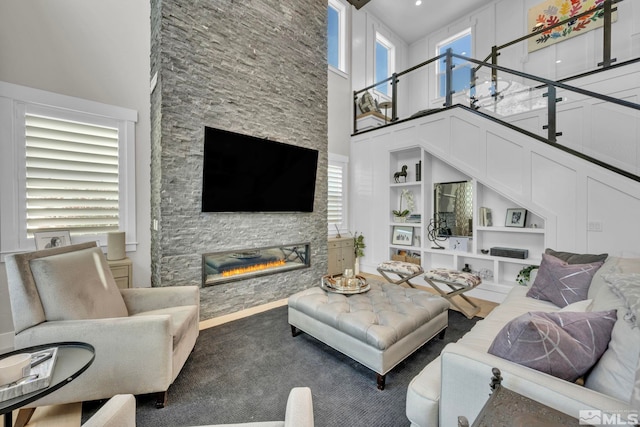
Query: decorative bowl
pixel 14 367
pixel 484 251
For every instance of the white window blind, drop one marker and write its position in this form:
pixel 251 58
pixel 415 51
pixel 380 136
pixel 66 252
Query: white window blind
pixel 335 211
pixel 71 176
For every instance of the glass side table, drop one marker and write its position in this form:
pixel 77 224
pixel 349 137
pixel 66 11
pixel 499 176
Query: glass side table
pixel 72 360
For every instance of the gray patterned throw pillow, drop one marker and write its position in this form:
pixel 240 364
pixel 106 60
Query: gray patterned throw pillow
pixel 563 344
pixel 562 283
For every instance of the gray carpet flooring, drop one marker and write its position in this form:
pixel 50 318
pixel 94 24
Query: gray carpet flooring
pixel 242 371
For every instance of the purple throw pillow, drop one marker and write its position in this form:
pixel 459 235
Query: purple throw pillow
pixel 563 344
pixel 562 283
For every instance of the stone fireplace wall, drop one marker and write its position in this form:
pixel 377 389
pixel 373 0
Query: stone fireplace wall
pixel 254 67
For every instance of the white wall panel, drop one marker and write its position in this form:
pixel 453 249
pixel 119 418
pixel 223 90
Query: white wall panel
pixel 554 186
pixel 505 161
pixel 466 144
pixel 434 131
pixel 618 214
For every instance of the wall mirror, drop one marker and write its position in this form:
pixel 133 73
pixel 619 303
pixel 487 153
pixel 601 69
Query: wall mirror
pixel 453 208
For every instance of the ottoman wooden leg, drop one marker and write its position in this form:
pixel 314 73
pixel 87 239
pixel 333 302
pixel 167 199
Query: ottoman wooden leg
pixel 381 380
pixel 295 331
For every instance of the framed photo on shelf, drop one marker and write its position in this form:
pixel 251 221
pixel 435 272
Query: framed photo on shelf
pixel 402 235
pixel 51 239
pixel 516 217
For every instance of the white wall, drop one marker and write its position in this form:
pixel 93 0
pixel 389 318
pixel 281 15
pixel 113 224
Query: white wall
pixel 88 49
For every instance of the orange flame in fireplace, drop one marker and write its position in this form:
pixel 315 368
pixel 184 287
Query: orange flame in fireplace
pixel 253 268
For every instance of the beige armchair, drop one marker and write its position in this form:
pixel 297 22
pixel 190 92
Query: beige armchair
pixel 142 336
pixel 120 411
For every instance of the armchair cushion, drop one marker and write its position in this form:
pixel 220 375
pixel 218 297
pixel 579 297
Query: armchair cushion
pixel 181 318
pixel 77 285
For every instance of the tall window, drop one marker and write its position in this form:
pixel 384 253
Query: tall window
pixel 337 193
pixel 336 35
pixel 384 63
pixel 71 175
pixel 459 44
pixel 67 164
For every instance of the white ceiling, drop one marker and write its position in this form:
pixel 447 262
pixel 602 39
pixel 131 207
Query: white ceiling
pixel 413 22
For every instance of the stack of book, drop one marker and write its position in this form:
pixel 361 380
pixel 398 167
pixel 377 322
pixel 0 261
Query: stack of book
pixel 484 218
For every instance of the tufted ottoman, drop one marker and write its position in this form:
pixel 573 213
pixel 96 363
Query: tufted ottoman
pixel 378 329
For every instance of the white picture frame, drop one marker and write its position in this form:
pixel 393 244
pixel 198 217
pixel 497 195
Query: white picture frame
pixel 51 239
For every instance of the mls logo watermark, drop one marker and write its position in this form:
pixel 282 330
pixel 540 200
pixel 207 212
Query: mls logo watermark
pixel 592 417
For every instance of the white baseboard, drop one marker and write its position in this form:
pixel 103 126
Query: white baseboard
pixel 6 342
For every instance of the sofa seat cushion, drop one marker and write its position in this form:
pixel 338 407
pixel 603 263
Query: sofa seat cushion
pixel 563 344
pixel 77 285
pixel 181 318
pixel 562 283
pixel 515 304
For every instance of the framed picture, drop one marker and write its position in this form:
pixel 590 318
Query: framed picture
pixel 402 235
pixel 51 239
pixel 516 217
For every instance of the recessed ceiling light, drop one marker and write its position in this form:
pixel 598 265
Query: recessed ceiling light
pixel 418 2
pixel 558 61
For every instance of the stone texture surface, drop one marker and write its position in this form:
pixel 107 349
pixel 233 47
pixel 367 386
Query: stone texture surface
pixel 257 68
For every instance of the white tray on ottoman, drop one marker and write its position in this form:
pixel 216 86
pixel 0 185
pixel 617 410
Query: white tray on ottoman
pixel 379 328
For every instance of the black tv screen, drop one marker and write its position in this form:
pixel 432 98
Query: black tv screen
pixel 243 173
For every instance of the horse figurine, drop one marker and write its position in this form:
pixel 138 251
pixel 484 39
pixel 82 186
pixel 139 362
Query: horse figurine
pixel 403 172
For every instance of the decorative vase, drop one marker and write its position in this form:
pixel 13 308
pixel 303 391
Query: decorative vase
pixel 401 219
pixel 356 266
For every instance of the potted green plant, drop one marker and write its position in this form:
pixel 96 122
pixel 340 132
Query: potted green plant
pixel 524 275
pixel 402 214
pixel 358 249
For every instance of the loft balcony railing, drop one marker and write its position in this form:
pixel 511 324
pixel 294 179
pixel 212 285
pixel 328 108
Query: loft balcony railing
pixel 517 99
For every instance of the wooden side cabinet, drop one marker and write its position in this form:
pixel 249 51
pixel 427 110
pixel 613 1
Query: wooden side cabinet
pixel 122 271
pixel 340 254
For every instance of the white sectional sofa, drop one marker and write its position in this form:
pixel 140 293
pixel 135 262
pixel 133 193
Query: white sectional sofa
pixel 457 382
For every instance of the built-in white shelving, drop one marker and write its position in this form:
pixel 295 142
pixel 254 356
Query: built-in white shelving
pixel 502 270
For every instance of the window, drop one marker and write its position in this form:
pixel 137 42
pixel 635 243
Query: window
pixel 336 35
pixel 71 176
pixel 459 44
pixel 384 63
pixel 337 193
pixel 74 163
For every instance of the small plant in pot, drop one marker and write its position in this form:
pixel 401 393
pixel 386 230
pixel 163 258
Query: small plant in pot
pixel 401 215
pixel 358 249
pixel 524 276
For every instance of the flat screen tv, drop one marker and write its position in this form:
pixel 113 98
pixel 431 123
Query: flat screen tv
pixel 243 173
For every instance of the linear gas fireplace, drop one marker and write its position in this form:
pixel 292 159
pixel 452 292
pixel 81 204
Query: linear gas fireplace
pixel 221 267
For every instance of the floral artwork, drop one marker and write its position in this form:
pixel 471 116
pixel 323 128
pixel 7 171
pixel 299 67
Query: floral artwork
pixel 551 12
